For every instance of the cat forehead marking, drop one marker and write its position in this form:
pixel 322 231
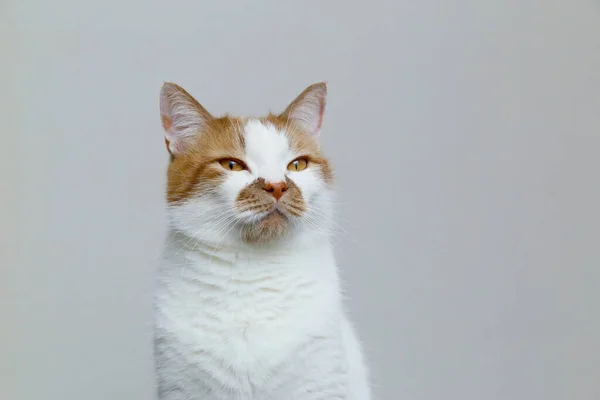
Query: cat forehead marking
pixel 267 150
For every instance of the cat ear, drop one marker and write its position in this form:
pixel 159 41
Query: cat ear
pixel 183 118
pixel 308 108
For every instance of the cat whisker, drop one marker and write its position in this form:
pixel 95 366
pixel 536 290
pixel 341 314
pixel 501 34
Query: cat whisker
pixel 220 218
pixel 223 222
pixel 222 237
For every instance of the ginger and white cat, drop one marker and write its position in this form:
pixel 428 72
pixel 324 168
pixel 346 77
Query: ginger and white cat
pixel 248 303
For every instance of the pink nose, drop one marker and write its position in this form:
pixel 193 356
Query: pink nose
pixel 276 189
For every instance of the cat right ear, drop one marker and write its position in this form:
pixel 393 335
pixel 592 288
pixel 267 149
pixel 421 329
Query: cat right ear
pixel 183 118
pixel 308 108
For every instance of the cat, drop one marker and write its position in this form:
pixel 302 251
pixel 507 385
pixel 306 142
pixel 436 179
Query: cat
pixel 248 300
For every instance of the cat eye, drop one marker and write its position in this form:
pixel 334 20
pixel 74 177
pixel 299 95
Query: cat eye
pixel 298 164
pixel 232 165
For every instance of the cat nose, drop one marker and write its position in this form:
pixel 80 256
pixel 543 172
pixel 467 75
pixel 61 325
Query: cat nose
pixel 276 189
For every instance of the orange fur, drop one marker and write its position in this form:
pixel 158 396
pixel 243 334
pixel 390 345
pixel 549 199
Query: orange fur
pixel 197 170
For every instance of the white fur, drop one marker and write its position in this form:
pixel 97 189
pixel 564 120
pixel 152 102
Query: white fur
pixel 236 321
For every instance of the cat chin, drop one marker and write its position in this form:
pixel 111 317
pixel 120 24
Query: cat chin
pixel 269 228
pixel 274 227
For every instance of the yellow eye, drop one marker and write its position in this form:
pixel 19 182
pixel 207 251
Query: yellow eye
pixel 298 165
pixel 232 165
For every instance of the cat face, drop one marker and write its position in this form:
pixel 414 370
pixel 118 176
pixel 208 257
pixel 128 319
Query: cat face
pixel 251 180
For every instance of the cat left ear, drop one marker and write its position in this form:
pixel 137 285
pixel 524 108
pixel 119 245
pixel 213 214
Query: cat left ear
pixel 308 108
pixel 183 118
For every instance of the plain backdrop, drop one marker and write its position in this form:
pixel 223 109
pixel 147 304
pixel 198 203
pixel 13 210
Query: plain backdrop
pixel 466 140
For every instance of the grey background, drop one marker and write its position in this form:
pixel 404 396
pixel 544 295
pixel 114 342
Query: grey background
pixel 465 137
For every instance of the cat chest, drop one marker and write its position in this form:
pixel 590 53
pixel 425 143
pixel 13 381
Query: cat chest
pixel 246 331
pixel 243 350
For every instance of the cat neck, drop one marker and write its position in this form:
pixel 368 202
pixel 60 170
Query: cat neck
pixel 193 250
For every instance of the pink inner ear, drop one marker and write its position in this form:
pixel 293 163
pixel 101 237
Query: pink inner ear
pixel 320 122
pixel 309 107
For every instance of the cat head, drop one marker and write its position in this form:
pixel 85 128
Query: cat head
pixel 246 180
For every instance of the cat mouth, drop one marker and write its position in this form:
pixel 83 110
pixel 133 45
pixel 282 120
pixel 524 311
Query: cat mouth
pixel 276 212
pixel 273 225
